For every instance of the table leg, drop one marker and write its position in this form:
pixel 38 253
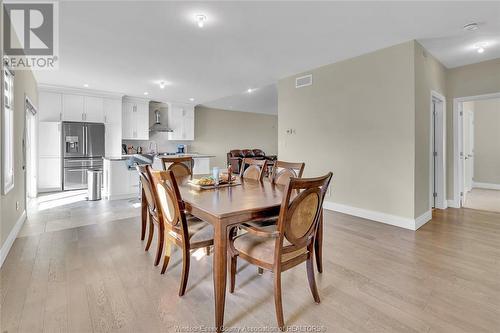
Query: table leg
pixel 318 245
pixel 220 272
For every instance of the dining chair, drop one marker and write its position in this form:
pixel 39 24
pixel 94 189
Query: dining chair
pixel 253 169
pixel 282 171
pixel 149 211
pixel 288 243
pixel 180 166
pixel 187 234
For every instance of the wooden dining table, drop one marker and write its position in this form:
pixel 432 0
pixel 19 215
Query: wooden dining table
pixel 224 208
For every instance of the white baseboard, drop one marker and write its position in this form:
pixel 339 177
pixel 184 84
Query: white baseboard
pixel 489 186
pixel 398 221
pixel 120 196
pixel 454 204
pixel 4 251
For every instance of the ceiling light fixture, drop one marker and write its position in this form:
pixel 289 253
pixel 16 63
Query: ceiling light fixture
pixel 163 84
pixel 146 93
pixel 471 26
pixel 200 20
pixel 480 50
pixel 191 99
pixel 250 90
pixel 86 85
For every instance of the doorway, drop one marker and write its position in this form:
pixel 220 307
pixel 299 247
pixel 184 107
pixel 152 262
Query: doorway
pixel 437 152
pixel 30 150
pixel 477 152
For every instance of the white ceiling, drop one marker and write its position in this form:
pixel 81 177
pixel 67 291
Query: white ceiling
pixel 128 46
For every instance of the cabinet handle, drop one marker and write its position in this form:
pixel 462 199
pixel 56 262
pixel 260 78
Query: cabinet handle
pixel 105 119
pixel 60 115
pixel 83 116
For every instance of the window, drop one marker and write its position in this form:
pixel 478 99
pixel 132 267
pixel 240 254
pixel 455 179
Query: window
pixel 8 132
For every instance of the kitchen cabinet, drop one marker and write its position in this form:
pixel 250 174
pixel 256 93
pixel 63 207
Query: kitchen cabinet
pixel 135 124
pixel 73 107
pixel 49 106
pixel 49 156
pixel 94 109
pixel 119 181
pixel 181 121
pixel 112 110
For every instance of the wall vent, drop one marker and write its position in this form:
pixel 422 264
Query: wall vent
pixel 303 81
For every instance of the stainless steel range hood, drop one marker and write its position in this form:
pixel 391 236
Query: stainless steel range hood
pixel 157 126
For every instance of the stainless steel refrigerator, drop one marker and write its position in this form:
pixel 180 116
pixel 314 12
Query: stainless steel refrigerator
pixel 82 150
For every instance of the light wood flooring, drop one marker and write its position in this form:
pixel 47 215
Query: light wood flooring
pixel 97 278
pixel 483 199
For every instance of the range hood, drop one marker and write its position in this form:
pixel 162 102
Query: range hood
pixel 157 126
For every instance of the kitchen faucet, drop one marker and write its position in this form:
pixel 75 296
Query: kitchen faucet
pixel 153 147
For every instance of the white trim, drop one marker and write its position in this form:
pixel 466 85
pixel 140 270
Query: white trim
pixel 441 165
pixel 453 204
pixel 457 143
pixel 489 186
pixel 423 219
pixel 79 91
pixel 4 251
pixel 398 221
pixel 121 196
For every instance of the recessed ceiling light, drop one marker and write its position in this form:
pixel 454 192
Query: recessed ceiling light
pixel 86 85
pixel 200 20
pixel 249 90
pixel 480 47
pixel 471 26
pixel 163 84
pixel 191 99
pixel 146 93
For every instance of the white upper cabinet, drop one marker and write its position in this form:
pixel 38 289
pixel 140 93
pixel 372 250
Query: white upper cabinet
pixel 94 109
pixel 181 121
pixel 135 124
pixel 73 107
pixel 112 108
pixel 49 106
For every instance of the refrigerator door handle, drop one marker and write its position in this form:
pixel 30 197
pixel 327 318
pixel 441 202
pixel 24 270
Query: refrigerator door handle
pixel 85 140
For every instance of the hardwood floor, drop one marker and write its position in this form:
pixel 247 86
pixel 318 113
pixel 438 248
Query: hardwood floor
pixel 97 278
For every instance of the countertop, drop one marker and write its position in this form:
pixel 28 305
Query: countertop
pixel 126 157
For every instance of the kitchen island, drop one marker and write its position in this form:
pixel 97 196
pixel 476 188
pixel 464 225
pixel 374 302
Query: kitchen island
pixel 121 179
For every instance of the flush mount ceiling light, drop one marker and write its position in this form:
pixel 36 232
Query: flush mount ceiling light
pixel 163 84
pixel 191 99
pixel 250 90
pixel 146 93
pixel 471 26
pixel 86 85
pixel 200 20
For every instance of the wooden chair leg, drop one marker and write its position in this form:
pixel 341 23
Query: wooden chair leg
pixel 159 250
pixel 277 299
pixel 150 236
pixel 318 245
pixel 310 277
pixel 144 220
pixel 166 258
pixel 260 270
pixel 233 265
pixel 185 270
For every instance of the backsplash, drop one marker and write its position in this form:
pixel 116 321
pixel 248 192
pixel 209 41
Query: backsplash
pixel 162 142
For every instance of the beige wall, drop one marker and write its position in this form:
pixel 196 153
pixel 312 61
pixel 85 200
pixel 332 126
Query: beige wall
pixel 358 121
pixel 430 75
pixel 471 80
pixel 218 131
pixel 487 141
pixel 24 85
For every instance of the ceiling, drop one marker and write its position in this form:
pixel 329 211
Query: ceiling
pixel 129 46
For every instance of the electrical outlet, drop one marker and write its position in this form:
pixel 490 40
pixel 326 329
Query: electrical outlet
pixel 17 205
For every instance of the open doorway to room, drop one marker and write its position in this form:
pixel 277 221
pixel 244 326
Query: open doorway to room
pixel 477 152
pixel 437 149
pixel 30 151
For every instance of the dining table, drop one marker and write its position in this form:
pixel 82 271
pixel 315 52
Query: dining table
pixel 225 207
